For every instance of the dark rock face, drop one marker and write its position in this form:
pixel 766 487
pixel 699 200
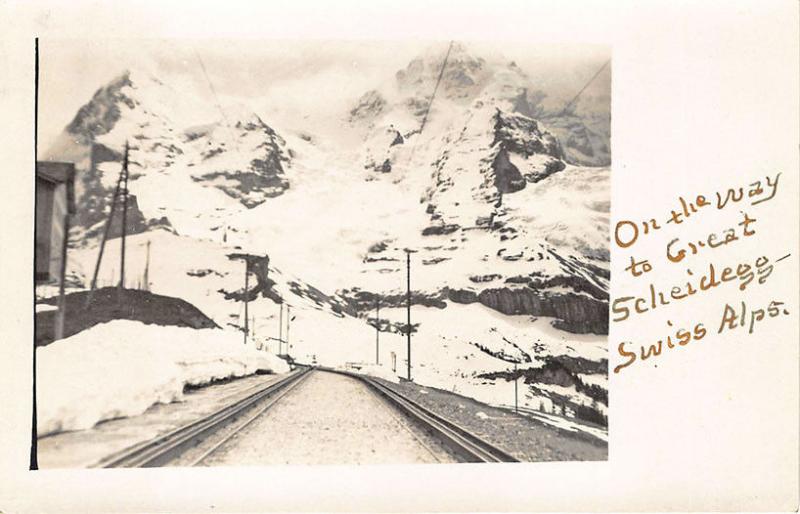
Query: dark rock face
pixel 464 296
pixel 265 174
pixel 339 308
pixel 135 222
pixel 398 138
pixel 562 371
pixel 507 178
pixel 581 365
pixel 267 183
pixel 364 301
pixel 258 266
pixel 576 313
pixel 110 303
pixel 551 167
pixel 378 247
pixel 99 116
pixel 438 230
pixel 522 135
pixel 484 278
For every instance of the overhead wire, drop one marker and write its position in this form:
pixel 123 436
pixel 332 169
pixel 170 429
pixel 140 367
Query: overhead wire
pixel 575 98
pixel 430 103
pixel 218 104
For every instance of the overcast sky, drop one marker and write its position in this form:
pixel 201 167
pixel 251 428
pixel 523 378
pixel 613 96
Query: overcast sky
pixel 270 76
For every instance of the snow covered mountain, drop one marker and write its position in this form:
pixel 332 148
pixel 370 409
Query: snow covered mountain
pixel 506 224
pixel 511 223
pixel 583 127
pixel 235 154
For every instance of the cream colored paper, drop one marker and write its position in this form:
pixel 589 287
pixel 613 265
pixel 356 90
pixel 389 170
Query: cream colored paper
pixel 705 97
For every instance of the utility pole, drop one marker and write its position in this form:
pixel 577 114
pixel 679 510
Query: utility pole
pixel 146 278
pixel 106 231
pixel 62 302
pixel 246 285
pixel 408 312
pixel 288 322
pixel 124 220
pixel 516 380
pixel 280 328
pixel 377 330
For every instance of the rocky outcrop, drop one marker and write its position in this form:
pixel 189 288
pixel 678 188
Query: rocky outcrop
pixel 575 313
pixel 370 105
pixel 440 230
pixel 264 286
pixel 364 301
pixel 99 115
pixel 507 178
pixel 260 179
pixel 552 166
pixel 523 135
pixel 135 222
pixel 464 296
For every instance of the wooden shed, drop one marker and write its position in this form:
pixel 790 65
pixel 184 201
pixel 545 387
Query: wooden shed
pixel 55 203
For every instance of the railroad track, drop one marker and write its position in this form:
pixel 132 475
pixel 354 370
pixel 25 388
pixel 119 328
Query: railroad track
pixel 172 445
pixel 192 443
pixel 467 446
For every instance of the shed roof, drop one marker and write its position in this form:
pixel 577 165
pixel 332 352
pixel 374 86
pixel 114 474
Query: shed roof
pixel 58 173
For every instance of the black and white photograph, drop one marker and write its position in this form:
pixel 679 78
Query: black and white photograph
pixel 268 252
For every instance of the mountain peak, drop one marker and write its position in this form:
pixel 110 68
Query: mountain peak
pixel 464 73
pixel 101 113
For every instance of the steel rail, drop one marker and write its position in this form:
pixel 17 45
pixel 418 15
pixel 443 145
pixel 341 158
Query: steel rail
pixel 466 445
pixel 167 447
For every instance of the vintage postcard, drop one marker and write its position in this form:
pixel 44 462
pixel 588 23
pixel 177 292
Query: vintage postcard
pixel 376 265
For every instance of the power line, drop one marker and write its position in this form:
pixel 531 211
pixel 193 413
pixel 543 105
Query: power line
pixel 430 103
pixel 211 86
pixel 217 102
pixel 435 88
pixel 571 102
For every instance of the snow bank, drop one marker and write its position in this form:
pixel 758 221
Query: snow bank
pixel 121 368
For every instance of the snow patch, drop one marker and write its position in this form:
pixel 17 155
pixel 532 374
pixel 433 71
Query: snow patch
pixel 121 368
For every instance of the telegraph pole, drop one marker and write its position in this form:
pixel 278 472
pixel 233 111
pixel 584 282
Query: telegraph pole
pixel 288 322
pixel 408 312
pixel 280 328
pixel 377 330
pixel 147 268
pixel 516 380
pixel 62 301
pixel 124 219
pixel 246 285
pixel 106 230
